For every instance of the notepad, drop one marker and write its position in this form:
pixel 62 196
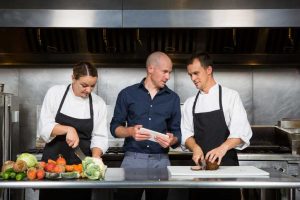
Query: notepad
pixel 153 134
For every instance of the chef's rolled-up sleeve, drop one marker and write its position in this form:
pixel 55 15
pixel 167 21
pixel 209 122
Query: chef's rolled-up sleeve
pixel 187 125
pixel 239 126
pixel 100 131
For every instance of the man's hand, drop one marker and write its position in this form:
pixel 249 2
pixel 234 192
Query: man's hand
pixel 137 134
pixel 197 155
pixel 166 141
pixel 72 138
pixel 217 154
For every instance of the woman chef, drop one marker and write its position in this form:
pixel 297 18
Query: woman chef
pixel 72 115
pixel 214 123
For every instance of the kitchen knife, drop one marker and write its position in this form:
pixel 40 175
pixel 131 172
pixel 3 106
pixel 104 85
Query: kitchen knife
pixel 203 164
pixel 78 152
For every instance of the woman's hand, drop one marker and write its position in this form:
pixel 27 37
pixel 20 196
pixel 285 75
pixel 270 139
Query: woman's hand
pixel 72 138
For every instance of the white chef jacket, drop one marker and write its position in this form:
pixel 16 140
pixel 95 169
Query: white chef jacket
pixel 234 112
pixel 76 107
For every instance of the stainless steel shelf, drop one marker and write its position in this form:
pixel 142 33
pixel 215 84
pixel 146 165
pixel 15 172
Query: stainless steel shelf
pixel 145 178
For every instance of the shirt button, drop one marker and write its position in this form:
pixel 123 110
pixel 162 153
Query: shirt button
pixel 151 106
pixel 148 146
pixel 149 118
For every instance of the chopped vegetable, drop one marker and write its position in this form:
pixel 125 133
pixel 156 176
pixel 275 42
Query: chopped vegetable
pixel 50 175
pixel 30 159
pixel 70 175
pixel 93 168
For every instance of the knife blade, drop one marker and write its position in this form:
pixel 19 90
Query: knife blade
pixel 78 152
pixel 203 164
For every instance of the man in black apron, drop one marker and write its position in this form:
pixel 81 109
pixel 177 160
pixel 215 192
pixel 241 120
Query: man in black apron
pixel 211 134
pixel 80 131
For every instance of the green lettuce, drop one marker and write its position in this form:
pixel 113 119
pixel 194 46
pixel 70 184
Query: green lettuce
pixel 93 168
pixel 30 159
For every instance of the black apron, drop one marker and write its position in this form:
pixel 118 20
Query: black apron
pixel 210 131
pixel 58 145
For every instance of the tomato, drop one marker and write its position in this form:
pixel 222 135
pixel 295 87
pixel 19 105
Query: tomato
pixel 31 173
pixel 42 164
pixel 50 167
pixel 59 169
pixel 78 168
pixel 69 168
pixel 40 174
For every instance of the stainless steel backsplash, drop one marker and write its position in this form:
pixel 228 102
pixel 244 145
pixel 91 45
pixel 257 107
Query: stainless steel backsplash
pixel 268 94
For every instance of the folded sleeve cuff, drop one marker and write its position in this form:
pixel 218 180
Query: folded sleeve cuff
pixel 102 144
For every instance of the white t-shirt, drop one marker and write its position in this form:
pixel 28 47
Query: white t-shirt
pixel 76 107
pixel 234 112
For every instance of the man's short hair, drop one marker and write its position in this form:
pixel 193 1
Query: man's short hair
pixel 204 58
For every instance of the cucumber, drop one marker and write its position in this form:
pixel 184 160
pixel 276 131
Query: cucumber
pixel 49 175
pixel 20 176
pixel 6 175
pixel 12 175
pixel 70 175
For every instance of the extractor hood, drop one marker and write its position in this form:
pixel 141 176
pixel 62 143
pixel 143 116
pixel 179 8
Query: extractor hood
pixel 150 14
pixel 109 32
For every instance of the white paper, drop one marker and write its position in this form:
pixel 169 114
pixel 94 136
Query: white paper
pixel 153 134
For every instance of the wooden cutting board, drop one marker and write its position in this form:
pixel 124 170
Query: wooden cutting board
pixel 222 172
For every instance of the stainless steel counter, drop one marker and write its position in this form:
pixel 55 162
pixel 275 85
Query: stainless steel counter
pixel 143 178
pixel 241 156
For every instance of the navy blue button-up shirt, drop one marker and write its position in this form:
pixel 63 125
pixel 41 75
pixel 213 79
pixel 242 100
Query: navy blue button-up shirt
pixel 136 107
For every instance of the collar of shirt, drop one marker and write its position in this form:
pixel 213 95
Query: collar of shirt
pixel 162 90
pixel 213 89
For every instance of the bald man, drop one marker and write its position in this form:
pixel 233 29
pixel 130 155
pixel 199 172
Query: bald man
pixel 152 105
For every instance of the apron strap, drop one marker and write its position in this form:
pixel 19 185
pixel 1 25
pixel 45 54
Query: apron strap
pixel 91 107
pixel 196 101
pixel 63 99
pixel 220 98
pixel 90 100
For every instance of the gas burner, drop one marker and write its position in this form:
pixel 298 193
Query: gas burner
pixel 34 151
pixel 114 150
pixel 266 149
